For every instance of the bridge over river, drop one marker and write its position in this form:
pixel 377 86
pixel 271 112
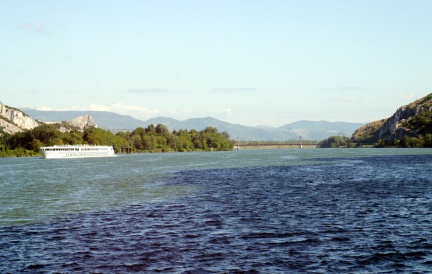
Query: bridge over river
pixel 274 144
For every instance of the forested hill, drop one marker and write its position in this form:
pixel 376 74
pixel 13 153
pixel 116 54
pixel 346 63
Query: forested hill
pixel 412 121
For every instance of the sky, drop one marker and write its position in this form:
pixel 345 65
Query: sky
pixel 249 62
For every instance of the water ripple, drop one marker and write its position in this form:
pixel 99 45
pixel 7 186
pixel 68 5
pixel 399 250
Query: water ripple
pixel 369 215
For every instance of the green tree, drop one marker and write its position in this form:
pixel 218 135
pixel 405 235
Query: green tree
pixel 174 142
pixel 49 135
pixel 151 129
pixel 427 140
pixel 139 131
pixel 137 142
pixel 36 145
pixel 149 143
pixel 161 129
pixel 421 122
pixel 335 142
pixel 405 141
pixel 97 136
pixel 4 148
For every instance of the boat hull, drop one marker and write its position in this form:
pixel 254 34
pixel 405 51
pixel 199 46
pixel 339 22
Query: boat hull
pixel 76 151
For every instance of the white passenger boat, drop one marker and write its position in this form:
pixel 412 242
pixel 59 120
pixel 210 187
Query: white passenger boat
pixel 76 151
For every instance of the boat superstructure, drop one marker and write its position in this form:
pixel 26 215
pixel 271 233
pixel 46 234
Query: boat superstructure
pixel 76 151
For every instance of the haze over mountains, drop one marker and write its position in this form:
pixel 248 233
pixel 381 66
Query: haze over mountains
pixel 310 130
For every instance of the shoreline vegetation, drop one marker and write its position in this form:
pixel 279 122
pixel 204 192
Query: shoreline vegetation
pixel 150 139
pixel 159 139
pixel 409 127
pixel 406 142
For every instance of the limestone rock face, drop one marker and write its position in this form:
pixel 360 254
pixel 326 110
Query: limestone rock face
pixel 393 126
pixel 83 122
pixel 14 120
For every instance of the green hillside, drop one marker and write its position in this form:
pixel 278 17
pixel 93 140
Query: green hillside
pixel 409 126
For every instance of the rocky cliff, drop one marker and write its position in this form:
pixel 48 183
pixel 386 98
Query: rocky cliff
pixel 13 120
pixel 397 126
pixel 82 122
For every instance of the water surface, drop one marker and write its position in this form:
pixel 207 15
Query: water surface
pixel 265 211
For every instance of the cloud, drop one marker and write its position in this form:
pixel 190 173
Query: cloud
pixel 348 99
pixel 407 96
pixel 153 90
pixel 138 112
pixel 228 113
pixel 345 99
pixel 233 90
pixel 96 107
pixel 35 26
pixel 347 89
pixel 44 108
pixel 121 108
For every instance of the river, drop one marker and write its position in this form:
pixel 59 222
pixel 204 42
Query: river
pixel 245 211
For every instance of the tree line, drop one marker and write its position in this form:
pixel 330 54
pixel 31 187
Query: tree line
pixel 150 139
pixel 336 142
pixel 406 142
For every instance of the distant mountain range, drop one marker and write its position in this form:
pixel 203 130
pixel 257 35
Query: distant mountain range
pixel 309 130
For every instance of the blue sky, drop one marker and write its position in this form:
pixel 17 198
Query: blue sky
pixel 248 62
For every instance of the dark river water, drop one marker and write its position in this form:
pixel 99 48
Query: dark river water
pixel 257 211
